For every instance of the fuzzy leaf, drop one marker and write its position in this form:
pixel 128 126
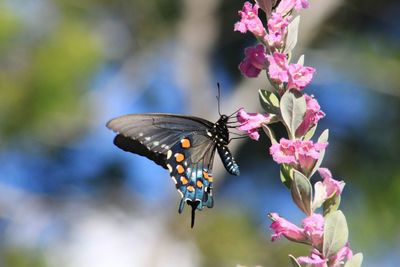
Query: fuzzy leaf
pixel 291 37
pixel 294 261
pixel 293 109
pixel 266 6
pixel 336 233
pixel 355 261
pixel 301 192
pixel 269 101
pixel 323 138
pixel 270 134
pixel 331 204
pixel 310 133
pixel 301 60
pixel 285 175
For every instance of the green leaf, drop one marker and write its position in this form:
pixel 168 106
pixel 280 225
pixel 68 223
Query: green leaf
pixel 269 101
pixel 336 233
pixel 291 37
pixel 270 134
pixel 331 204
pixel 294 261
pixel 301 60
pixel 355 261
pixel 323 138
pixel 310 133
pixel 301 192
pixel 293 109
pixel 285 175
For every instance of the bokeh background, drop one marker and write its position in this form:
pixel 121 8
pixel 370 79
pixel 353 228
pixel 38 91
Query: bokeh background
pixel 69 198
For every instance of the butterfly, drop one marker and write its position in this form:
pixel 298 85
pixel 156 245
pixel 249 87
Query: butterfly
pixel 184 145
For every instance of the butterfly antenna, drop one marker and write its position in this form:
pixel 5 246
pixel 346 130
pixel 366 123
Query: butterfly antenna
pixel 218 99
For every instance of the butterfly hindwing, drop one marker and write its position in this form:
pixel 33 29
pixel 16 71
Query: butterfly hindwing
pixel 190 164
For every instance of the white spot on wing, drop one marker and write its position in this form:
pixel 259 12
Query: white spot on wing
pixel 169 167
pixel 169 154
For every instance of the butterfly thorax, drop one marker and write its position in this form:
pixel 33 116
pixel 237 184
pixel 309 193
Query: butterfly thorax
pixel 219 132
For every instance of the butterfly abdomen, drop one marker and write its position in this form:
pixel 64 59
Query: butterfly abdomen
pixel 228 160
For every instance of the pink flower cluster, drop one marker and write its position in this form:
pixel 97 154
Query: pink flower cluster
pixel 312 232
pixel 250 122
pixel 300 154
pixel 279 70
pixel 295 75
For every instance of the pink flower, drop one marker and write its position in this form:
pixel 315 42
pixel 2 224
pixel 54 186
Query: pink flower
pixel 284 152
pixel 254 61
pixel 327 188
pixel 280 226
pixel 299 76
pixel 314 229
pixel 316 259
pixel 332 186
pixel 312 116
pixel 338 259
pixel 300 154
pixel 278 67
pixel 250 122
pixel 250 20
pixel 285 6
pixel 277 29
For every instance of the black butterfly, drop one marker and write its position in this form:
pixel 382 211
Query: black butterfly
pixel 184 145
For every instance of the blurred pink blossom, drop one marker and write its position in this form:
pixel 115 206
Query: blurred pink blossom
pixel 316 259
pixel 285 6
pixel 281 226
pixel 254 62
pixel 312 116
pixel 299 76
pixel 332 186
pixel 278 67
pixel 343 254
pixel 277 29
pixel 250 122
pixel 250 20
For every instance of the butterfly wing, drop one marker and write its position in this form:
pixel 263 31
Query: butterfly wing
pixel 190 165
pixel 153 134
pixel 181 144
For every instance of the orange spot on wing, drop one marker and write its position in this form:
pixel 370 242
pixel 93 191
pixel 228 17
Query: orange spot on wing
pixel 199 184
pixel 184 180
pixel 180 169
pixel 190 188
pixel 179 157
pixel 207 176
pixel 185 143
